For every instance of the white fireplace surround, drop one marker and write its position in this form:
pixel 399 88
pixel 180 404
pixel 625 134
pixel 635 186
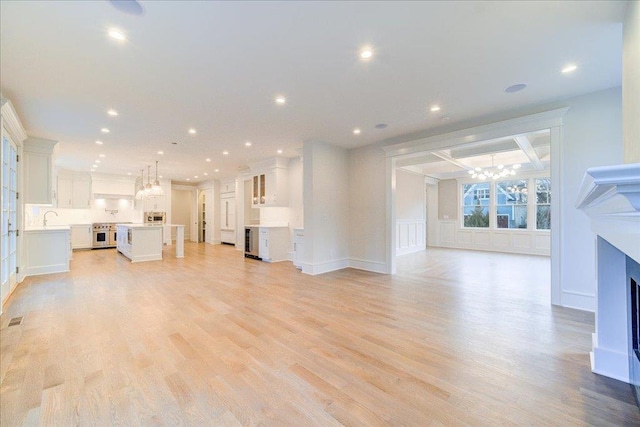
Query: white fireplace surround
pixel 610 196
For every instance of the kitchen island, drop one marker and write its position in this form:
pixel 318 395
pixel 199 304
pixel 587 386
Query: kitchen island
pixel 140 242
pixel 47 249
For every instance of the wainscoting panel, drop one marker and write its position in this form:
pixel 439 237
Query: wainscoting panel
pixel 518 241
pixel 411 236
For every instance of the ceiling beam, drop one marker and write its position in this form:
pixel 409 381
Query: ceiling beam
pixel 525 145
pixel 448 158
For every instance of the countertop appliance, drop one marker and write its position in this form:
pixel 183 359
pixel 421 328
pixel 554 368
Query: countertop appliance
pixel 252 243
pixel 105 234
pixel 154 217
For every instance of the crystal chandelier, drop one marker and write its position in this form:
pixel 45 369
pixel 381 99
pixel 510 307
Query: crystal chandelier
pixel 494 172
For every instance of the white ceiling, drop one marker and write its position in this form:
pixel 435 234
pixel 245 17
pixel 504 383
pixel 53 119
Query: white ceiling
pixel 217 66
pixel 531 151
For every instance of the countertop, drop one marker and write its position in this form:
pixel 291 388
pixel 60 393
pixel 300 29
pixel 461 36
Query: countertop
pixel 140 225
pixel 48 228
pixel 266 225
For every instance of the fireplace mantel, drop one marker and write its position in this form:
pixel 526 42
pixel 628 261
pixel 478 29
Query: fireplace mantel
pixel 610 196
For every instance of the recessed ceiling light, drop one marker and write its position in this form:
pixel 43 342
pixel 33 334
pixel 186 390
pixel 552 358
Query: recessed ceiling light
pixel 114 33
pixel 128 173
pixel 366 53
pixel 196 177
pixel 188 179
pixel 102 155
pixel 161 152
pixel 356 131
pixel 105 130
pixel 99 142
pixel 515 88
pixel 281 100
pixel 225 153
pixel 280 151
pixel 208 160
pixel 160 176
pixel 569 68
pixel 435 108
pixel 112 113
pixel 247 144
pixel 217 170
pixel 205 174
pixel 192 131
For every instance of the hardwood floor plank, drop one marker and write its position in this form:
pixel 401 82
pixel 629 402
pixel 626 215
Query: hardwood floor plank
pixel 455 338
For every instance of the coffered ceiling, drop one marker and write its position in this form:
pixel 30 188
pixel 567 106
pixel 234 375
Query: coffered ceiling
pixel 217 68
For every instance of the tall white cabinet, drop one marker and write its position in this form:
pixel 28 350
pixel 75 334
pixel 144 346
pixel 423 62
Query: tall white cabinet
pixel 38 158
pixel 228 211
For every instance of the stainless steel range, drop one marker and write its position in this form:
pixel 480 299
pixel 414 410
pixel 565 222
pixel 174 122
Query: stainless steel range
pixel 105 234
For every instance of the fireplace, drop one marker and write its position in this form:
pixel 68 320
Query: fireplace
pixel 610 196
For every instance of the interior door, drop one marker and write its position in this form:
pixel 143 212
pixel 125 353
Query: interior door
pixel 207 214
pixel 8 232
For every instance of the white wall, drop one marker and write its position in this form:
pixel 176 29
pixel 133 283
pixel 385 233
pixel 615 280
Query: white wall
pixel 326 216
pixel 367 208
pixel 126 213
pixel 591 136
pixel 296 204
pixel 181 202
pixel 433 233
pixel 631 83
pixel 410 212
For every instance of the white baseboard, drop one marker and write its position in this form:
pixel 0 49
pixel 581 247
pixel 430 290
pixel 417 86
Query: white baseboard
pixel 324 267
pixel 373 266
pixel 47 269
pixel 610 363
pixel 578 300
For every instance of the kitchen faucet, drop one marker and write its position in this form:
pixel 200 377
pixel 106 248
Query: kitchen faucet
pixel 44 220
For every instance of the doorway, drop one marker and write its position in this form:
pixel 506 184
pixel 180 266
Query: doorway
pixel 202 220
pixel 8 236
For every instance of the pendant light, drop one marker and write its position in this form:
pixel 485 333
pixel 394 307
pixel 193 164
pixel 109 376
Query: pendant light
pixel 140 193
pixel 156 189
pixel 148 186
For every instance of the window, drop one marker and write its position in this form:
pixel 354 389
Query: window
pixel 475 204
pixel 511 204
pixel 543 203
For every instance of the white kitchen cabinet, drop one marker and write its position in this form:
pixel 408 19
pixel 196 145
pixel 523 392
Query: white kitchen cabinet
pixel 270 184
pixel 155 204
pixel 270 189
pixel 115 186
pixel 227 186
pixel 273 243
pixel 46 250
pixel 37 161
pixel 81 236
pixel 74 190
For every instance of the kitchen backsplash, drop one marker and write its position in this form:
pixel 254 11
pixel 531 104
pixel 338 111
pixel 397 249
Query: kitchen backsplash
pixel 102 210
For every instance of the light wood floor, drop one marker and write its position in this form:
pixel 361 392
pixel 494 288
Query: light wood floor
pixel 456 338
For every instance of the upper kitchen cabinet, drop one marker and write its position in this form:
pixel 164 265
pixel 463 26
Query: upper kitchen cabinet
pixel 113 186
pixel 74 190
pixel 228 186
pixel 38 157
pixel 269 183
